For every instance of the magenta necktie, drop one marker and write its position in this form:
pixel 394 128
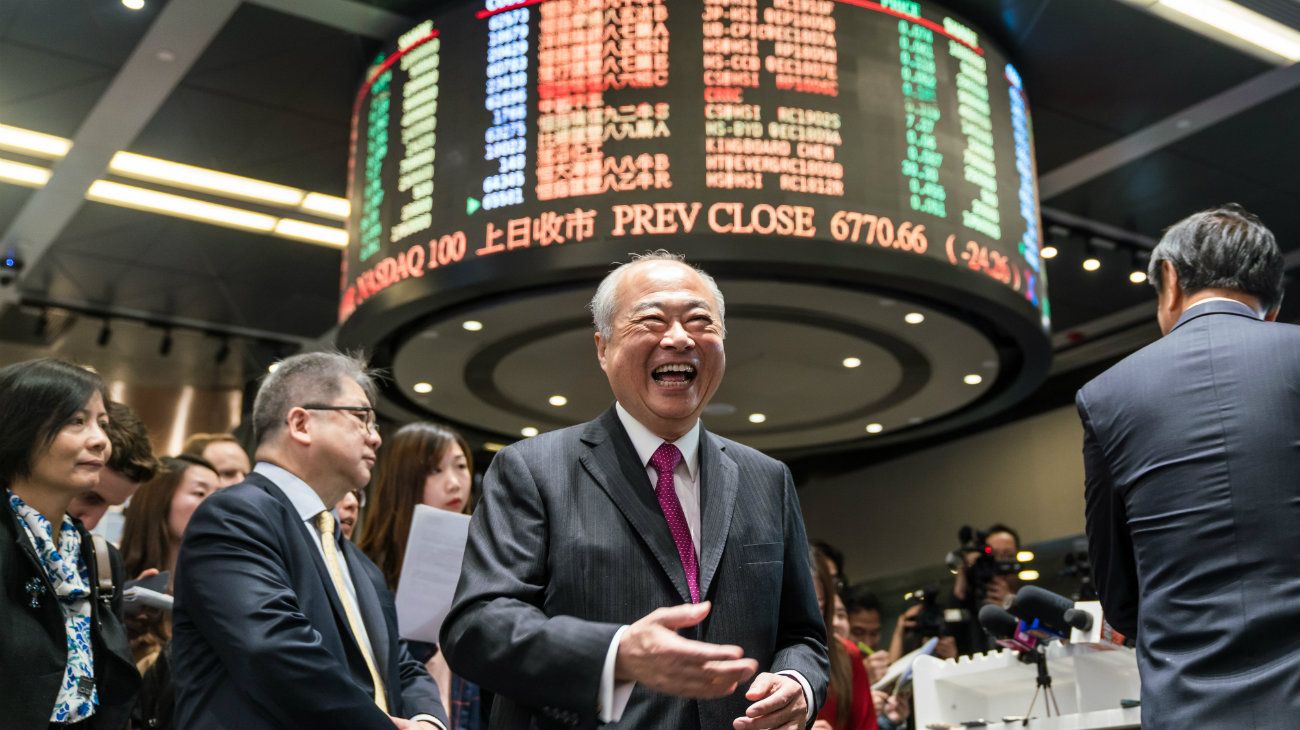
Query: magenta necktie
pixel 664 460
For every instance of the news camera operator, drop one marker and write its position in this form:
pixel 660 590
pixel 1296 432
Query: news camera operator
pixel 986 572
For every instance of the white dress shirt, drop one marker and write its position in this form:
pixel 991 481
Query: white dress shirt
pixel 614 695
pixel 1220 299
pixel 308 504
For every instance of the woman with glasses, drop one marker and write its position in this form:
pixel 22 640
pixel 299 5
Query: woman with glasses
pixel 65 660
pixel 423 463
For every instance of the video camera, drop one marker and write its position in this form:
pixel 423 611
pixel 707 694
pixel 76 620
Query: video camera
pixel 1079 567
pixel 933 620
pixel 986 566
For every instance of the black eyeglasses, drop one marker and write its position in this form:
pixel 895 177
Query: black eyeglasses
pixel 365 415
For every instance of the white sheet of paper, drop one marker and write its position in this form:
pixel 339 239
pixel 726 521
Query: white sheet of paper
pixel 430 570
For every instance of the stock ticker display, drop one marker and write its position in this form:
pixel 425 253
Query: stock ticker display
pixel 890 126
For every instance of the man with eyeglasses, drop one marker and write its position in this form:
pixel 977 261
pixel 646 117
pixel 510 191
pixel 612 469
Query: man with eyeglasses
pixel 279 621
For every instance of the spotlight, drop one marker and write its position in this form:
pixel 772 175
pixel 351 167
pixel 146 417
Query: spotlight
pixel 874 428
pixel 273 367
pixel 472 325
pixel 1092 263
pixel 852 362
pixel 1138 277
pixel 422 388
pixel 557 400
pixel 105 334
pixel 165 347
pixel 133 4
pixel 914 318
pixel 973 379
pixel 528 431
pixel 1048 252
pixel 223 352
pixel 757 418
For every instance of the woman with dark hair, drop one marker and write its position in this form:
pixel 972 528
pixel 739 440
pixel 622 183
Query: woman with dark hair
pixel 151 537
pixel 423 463
pixel 65 661
pixel 848 697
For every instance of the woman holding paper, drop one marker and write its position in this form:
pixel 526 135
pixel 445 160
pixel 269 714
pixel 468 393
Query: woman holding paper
pixel 423 463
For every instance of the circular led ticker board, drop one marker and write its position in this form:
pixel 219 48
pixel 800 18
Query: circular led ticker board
pixel 503 148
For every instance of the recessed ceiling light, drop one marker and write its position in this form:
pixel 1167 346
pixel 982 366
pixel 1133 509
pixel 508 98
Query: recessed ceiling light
pixel 422 388
pixel 1138 277
pixel 914 318
pixel 472 325
pixel 1048 252
pixel 973 379
pixel 133 4
pixel 528 431
pixel 557 400
pixel 1092 263
pixel 852 362
pixel 757 418
pixel 273 367
pixel 874 428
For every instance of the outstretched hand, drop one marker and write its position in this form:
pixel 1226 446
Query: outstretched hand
pixel 653 654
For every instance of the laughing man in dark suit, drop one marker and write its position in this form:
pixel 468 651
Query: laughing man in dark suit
pixel 279 622
pixel 639 570
pixel 1192 456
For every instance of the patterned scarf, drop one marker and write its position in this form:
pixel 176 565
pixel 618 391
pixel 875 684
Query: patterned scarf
pixel 78 695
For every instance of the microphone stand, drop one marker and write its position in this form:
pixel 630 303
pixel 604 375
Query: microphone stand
pixel 1043 684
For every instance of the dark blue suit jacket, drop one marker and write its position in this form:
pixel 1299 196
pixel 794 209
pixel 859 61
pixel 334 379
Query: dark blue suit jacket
pixel 1192 452
pixel 260 639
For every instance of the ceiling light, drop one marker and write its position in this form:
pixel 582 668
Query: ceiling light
pixel 105 334
pixel 1258 30
pixel 129 196
pixel 472 325
pixel 201 178
pixel 1138 277
pixel 33 143
pixel 223 352
pixel 133 4
pixel 1028 575
pixel 852 362
pixel 1048 252
pixel 528 431
pixel 1024 556
pixel 1092 263
pixel 874 428
pixel 326 205
pixel 20 173
pixel 311 232
pixel 914 318
pixel 557 400
pixel 757 418
pixel 422 388
pixel 165 347
pixel 973 379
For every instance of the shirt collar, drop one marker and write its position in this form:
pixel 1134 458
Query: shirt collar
pixel 645 442
pixel 304 499
pixel 1207 300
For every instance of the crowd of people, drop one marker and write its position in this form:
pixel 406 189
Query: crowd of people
pixel 637 569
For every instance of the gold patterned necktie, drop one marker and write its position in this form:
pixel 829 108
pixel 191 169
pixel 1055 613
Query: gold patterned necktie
pixel 325 522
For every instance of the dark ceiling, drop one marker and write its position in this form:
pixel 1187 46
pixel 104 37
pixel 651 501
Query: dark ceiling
pixel 1138 122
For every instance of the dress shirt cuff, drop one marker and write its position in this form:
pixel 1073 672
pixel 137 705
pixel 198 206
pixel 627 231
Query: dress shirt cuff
pixel 613 695
pixel 807 690
pixel 429 719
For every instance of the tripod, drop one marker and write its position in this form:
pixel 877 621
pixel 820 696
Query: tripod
pixel 1044 684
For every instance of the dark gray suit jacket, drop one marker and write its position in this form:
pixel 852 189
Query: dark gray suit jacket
pixel 1192 451
pixel 260 639
pixel 569 543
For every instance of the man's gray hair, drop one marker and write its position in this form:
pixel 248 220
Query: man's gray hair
pixel 1222 248
pixel 312 377
pixel 605 302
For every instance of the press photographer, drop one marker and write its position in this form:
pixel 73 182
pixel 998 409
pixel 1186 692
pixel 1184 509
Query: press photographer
pixel 986 573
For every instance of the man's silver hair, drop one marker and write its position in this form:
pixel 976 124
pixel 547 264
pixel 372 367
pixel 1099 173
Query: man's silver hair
pixel 604 304
pixel 312 377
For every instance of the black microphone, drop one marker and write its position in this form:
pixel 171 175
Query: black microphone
pixel 1047 609
pixel 1081 620
pixel 1006 629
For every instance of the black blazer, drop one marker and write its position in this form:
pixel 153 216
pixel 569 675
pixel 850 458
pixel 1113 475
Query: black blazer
pixel 569 543
pixel 35 654
pixel 1192 455
pixel 260 639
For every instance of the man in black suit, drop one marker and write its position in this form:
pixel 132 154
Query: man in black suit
pixel 280 623
pixel 1192 452
pixel 637 569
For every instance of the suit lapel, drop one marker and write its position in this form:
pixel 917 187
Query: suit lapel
pixel 612 463
pixel 368 604
pixel 719 484
pixel 298 530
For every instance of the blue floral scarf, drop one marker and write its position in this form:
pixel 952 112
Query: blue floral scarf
pixel 78 695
